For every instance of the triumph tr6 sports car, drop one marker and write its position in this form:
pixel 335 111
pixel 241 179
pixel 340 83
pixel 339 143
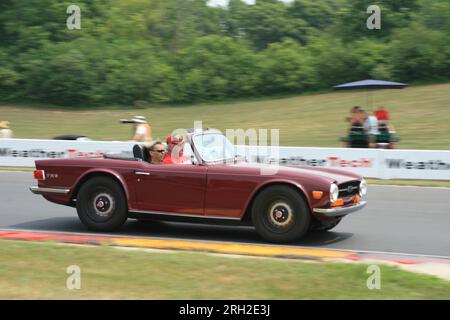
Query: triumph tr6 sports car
pixel 215 186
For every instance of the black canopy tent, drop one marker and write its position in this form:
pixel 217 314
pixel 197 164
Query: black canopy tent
pixel 370 85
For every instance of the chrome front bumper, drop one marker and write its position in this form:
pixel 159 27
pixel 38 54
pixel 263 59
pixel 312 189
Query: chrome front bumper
pixel 340 211
pixel 43 190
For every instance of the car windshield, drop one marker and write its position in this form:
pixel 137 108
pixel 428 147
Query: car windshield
pixel 214 147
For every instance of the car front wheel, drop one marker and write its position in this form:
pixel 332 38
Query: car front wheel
pixel 324 226
pixel 280 214
pixel 101 204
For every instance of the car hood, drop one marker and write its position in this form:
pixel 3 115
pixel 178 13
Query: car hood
pixel 327 175
pixel 340 176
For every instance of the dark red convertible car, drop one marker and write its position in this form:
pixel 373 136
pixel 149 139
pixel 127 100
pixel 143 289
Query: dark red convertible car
pixel 216 186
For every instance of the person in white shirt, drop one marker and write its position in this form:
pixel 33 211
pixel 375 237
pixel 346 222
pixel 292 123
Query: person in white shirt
pixel 371 127
pixel 143 131
pixel 5 131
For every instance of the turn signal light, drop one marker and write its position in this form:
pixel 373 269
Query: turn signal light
pixel 356 199
pixel 317 194
pixel 39 174
pixel 338 203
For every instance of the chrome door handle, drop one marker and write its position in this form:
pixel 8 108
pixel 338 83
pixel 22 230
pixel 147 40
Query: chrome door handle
pixel 141 173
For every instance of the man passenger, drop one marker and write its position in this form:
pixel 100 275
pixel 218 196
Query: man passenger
pixel 175 154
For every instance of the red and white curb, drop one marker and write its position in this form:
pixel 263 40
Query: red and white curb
pixel 434 265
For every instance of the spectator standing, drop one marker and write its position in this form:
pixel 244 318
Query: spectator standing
pixel 142 130
pixel 355 117
pixel 371 127
pixel 5 131
pixel 381 114
pixel 384 119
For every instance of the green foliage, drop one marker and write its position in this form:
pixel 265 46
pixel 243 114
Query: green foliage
pixel 287 67
pixel 417 53
pixel 9 78
pixel 167 51
pixel 216 67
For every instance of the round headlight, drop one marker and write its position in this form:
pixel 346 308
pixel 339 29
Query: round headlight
pixel 363 188
pixel 334 192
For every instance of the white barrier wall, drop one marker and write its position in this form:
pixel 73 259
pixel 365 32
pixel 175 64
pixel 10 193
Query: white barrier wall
pixel 373 163
pixel 23 152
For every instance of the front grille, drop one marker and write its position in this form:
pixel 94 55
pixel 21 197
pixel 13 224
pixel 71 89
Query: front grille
pixel 349 188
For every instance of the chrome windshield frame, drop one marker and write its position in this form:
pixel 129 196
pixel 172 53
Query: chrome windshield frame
pixel 199 155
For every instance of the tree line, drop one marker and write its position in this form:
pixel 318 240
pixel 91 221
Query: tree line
pixel 183 51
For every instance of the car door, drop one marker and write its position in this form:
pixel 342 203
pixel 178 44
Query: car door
pixel 171 188
pixel 229 188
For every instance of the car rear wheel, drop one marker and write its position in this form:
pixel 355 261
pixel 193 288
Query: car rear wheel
pixel 280 214
pixel 101 204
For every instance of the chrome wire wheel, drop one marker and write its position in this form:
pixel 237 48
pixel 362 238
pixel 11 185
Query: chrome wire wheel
pixel 280 214
pixel 102 206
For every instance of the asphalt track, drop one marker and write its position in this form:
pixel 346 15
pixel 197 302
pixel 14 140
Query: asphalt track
pixel 407 220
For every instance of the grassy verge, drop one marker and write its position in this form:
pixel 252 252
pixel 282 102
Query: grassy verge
pixel 38 271
pixel 17 169
pixel 420 115
pixel 418 183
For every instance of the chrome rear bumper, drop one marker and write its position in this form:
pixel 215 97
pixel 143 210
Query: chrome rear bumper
pixel 44 190
pixel 340 211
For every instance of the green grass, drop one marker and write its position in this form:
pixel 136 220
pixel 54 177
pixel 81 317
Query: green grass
pixel 418 183
pixel 421 116
pixel 38 271
pixel 17 169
